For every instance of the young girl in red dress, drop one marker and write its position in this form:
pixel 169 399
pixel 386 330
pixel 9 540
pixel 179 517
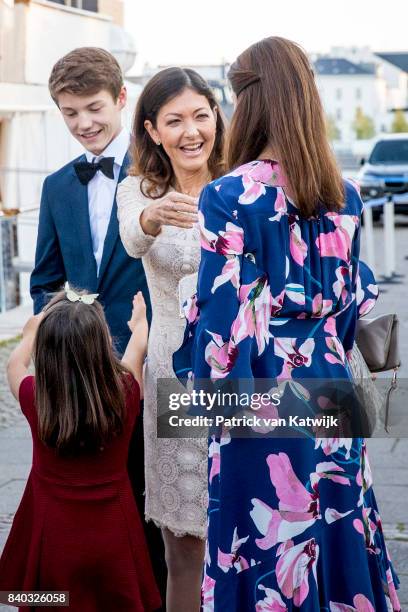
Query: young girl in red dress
pixel 77 528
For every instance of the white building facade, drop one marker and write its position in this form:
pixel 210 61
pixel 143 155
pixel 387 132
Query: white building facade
pixel 34 140
pixel 345 87
pixel 356 78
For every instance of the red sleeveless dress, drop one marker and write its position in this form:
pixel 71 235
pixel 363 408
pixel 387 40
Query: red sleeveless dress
pixel 77 528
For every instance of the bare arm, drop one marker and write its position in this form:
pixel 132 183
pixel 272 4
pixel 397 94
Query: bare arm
pixel 19 361
pixel 135 352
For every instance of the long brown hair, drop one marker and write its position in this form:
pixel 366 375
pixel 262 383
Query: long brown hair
pixel 79 382
pixel 151 161
pixel 278 105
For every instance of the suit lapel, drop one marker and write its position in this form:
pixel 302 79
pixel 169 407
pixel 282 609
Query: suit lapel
pixel 112 234
pixel 81 229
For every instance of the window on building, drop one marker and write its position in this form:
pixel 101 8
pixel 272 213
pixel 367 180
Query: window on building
pixel 86 5
pixel 339 93
pixel 338 114
pixel 358 93
pixel 90 5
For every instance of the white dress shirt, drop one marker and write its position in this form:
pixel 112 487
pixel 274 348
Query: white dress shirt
pixel 101 192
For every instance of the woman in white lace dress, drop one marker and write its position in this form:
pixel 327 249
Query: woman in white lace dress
pixel 177 148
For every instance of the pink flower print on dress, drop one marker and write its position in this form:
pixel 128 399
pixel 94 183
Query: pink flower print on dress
pixel 230 272
pixel 321 307
pixel 341 285
pixel 293 356
pixel 367 528
pixel 296 293
pixel 256 306
pixel 190 309
pixel 297 246
pixel 271 603
pixel 365 304
pixel 207 592
pixel 360 604
pixel 396 606
pixel 338 243
pixel 232 559
pixel 293 569
pixel 253 190
pixel 298 508
pixel 331 515
pixel 255 176
pixel 220 356
pixel 228 242
pixel 366 474
pixel 331 471
pixel 214 454
pixel 330 326
pixel 268 412
pixel 280 206
pixel 332 445
pixel 337 354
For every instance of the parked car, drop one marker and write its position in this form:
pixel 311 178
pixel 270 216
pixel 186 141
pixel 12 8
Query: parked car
pixel 385 172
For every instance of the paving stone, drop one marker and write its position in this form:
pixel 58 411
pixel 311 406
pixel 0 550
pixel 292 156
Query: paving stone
pixel 10 496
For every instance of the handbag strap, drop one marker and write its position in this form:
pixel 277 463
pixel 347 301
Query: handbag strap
pixel 391 388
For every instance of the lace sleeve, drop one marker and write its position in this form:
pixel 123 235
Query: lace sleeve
pixel 131 203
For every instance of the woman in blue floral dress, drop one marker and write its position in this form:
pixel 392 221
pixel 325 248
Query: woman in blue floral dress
pixel 293 522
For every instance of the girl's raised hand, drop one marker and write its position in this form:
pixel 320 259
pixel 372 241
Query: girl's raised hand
pixel 31 325
pixel 138 311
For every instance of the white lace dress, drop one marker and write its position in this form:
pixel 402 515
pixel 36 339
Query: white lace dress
pixel 176 469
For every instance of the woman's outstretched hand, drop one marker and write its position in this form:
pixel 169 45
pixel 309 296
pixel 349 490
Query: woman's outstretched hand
pixel 176 209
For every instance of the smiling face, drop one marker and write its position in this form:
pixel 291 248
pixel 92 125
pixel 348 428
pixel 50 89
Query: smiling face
pixel 186 128
pixel 94 120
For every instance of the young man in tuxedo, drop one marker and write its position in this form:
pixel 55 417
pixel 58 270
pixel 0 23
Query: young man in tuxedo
pixel 78 235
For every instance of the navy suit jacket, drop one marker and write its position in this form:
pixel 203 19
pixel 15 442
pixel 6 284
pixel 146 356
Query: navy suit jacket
pixel 64 253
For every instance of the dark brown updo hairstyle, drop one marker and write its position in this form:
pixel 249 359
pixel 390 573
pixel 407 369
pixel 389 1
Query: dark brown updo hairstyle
pixel 278 105
pixel 151 161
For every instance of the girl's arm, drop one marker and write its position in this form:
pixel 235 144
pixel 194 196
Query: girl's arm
pixel 135 352
pixel 19 361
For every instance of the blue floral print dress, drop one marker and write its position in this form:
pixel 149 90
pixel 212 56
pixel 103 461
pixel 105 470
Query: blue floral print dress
pixel 292 523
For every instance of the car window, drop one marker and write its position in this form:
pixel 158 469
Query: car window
pixel 390 152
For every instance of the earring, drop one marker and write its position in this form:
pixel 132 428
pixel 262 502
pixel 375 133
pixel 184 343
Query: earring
pixel 158 143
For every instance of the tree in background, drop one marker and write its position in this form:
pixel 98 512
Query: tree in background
pixel 363 125
pixel 399 123
pixel 333 132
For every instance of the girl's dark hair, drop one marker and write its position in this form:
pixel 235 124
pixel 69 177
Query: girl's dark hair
pixel 151 161
pixel 278 105
pixel 79 381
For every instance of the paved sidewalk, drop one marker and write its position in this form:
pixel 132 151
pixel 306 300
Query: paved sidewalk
pixel 11 322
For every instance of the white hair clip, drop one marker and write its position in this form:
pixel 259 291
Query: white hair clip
pixel 72 296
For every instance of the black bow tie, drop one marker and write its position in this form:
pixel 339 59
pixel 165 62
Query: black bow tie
pixel 87 170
